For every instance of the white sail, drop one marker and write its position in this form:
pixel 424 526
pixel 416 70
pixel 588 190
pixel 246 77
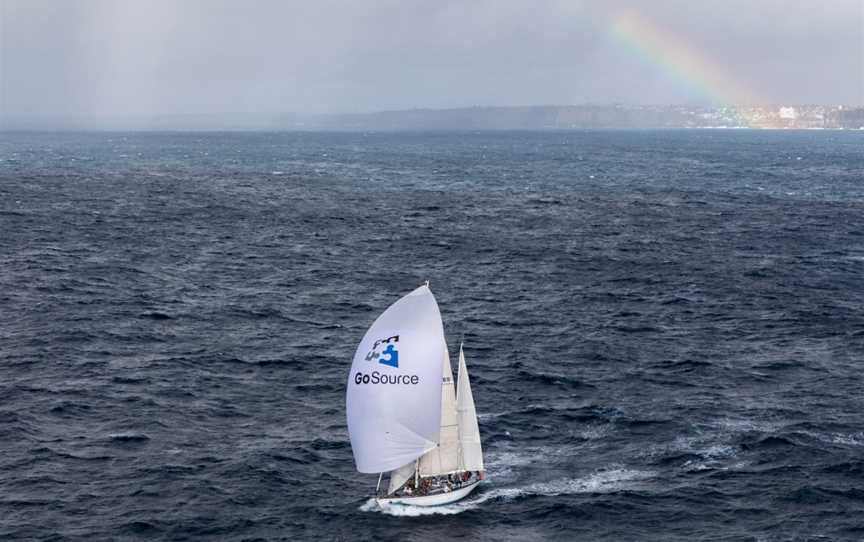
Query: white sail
pixel 469 433
pixel 399 476
pixel 394 394
pixel 444 459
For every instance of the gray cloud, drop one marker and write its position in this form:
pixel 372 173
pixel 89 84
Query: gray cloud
pixel 125 57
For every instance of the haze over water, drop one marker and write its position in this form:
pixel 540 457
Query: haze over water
pixel 103 63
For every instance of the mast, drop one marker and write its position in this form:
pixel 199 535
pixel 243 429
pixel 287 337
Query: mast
pixel 460 452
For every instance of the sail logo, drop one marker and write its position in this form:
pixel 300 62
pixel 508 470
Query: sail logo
pixel 377 378
pixel 389 355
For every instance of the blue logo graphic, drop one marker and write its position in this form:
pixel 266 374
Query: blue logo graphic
pixel 390 356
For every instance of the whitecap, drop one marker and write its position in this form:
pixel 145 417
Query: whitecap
pixel 401 510
pixel 595 432
pixel 855 439
pixel 500 465
pixel 607 481
pixel 744 425
pixel 848 439
pixel 707 446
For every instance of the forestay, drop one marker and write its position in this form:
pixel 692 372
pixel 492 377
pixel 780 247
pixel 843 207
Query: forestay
pixel 394 388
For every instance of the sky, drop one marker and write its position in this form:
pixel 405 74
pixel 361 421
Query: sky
pixel 104 58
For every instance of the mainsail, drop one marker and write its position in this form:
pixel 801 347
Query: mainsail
pixel 394 393
pixel 444 459
pixel 469 433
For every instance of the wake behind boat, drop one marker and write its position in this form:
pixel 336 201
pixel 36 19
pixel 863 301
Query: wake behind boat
pixel 405 416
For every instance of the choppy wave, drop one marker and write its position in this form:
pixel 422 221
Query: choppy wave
pixel 608 481
pixel 659 334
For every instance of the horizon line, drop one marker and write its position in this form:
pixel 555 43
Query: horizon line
pixel 425 108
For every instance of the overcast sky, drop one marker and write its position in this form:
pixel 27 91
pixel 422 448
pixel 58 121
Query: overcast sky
pixel 150 57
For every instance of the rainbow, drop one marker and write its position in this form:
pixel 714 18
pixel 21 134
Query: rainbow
pixel 681 60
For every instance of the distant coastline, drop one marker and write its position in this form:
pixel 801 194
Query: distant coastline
pixel 547 117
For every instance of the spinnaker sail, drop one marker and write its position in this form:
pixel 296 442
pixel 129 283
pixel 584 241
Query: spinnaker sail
pixel 394 387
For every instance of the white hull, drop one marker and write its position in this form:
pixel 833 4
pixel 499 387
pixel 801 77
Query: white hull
pixel 430 500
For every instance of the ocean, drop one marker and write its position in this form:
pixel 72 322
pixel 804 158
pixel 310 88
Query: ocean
pixel 665 330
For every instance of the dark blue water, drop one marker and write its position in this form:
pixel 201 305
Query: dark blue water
pixel 665 330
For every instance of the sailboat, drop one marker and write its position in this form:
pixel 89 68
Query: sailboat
pixel 406 419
